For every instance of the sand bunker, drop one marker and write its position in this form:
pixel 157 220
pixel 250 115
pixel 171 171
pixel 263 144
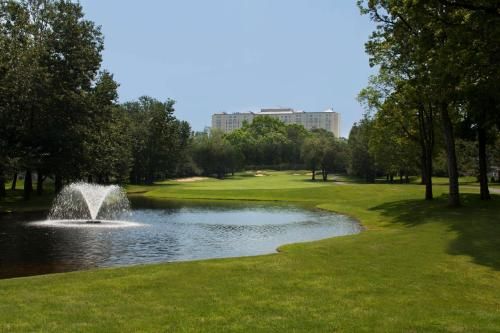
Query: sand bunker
pixel 190 179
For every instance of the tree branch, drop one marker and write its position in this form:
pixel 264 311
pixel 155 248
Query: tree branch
pixel 494 10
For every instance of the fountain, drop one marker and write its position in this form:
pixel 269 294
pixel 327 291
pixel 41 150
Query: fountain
pixel 89 203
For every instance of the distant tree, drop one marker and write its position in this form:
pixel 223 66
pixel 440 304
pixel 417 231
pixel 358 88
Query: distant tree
pixel 393 149
pixel 246 142
pixel 322 151
pixel 312 154
pixel 362 163
pixel 157 139
pixel 107 146
pixel 267 141
pixel 295 134
pixel 214 154
pixel 341 162
pixel 185 164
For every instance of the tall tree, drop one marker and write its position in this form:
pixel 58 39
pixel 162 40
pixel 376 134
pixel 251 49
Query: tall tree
pixel 362 162
pixel 414 39
pixel 215 154
pixel 157 138
pixel 53 57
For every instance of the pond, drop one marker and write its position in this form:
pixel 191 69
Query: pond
pixel 163 231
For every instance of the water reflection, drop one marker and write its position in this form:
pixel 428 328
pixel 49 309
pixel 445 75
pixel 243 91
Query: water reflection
pixel 170 231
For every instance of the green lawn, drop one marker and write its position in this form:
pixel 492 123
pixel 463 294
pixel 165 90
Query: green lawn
pixel 418 267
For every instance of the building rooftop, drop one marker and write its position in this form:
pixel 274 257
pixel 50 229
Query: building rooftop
pixel 275 111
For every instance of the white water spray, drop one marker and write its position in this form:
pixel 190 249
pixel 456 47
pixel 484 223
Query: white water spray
pixel 81 200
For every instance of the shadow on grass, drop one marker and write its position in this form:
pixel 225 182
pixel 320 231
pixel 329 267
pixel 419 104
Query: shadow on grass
pixel 15 202
pixel 477 223
pixel 344 180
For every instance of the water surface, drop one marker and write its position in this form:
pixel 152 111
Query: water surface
pixel 161 232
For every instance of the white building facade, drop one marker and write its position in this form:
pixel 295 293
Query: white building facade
pixel 328 119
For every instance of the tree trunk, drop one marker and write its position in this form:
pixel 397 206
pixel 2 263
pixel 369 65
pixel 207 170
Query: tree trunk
pixel 428 175
pixel 423 181
pixel 428 184
pixel 400 177
pixel 14 182
pixel 426 138
pixel 313 177
pixel 407 178
pixel 28 185
pixel 2 183
pixel 39 183
pixel 449 139
pixel 483 167
pixel 391 178
pixel 324 173
pixel 149 179
pixel 58 183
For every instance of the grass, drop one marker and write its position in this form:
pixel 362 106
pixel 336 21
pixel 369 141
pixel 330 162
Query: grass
pixel 14 202
pixel 418 267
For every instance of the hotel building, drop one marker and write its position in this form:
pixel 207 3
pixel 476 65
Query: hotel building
pixel 328 119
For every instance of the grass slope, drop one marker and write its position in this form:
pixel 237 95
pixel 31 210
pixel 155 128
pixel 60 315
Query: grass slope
pixel 419 267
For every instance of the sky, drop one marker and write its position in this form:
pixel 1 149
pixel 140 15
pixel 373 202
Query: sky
pixel 237 55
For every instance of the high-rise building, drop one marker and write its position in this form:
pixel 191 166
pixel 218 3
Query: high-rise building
pixel 328 119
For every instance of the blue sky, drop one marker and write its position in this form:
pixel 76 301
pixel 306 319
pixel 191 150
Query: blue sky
pixel 237 55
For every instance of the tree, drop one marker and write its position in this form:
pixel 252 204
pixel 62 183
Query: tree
pixel 214 154
pixel 157 139
pixel 16 71
pixel 311 154
pixel 52 59
pixel 393 152
pixel 269 142
pixel 107 145
pixel 362 162
pixel 322 151
pixel 295 134
pixel 416 41
pixel 58 111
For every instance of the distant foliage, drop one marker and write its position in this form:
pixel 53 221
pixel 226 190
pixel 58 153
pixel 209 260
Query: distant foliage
pixel 158 140
pixel 362 161
pixel 215 155
pixel 268 142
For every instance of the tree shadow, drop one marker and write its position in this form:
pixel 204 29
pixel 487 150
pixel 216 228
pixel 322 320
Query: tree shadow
pixel 477 223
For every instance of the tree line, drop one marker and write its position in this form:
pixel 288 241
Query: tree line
pixel 437 86
pixel 60 118
pixel 59 115
pixel 432 109
pixel 269 143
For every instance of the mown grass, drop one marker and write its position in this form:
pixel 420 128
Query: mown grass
pixel 418 267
